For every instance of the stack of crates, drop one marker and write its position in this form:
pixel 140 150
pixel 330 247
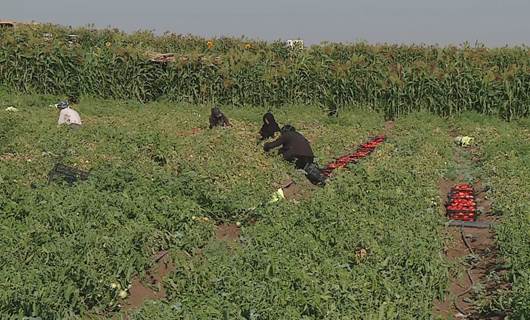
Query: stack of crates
pixel 461 203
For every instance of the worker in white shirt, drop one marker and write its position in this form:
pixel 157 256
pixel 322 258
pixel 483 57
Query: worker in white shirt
pixel 68 115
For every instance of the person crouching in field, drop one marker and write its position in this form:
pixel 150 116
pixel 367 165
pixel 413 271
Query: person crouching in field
pixel 269 127
pixel 68 115
pixel 218 119
pixel 295 147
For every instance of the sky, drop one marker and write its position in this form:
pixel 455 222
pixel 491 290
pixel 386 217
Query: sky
pixel 490 22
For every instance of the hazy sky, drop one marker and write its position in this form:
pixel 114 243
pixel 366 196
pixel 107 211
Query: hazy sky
pixel 492 22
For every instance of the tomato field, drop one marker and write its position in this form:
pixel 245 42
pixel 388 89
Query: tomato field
pixel 371 244
pixel 368 245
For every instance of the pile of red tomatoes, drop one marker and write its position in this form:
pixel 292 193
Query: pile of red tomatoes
pixel 362 151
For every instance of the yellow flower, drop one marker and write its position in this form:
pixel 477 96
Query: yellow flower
pixel 210 44
pixel 248 46
pixel 107 44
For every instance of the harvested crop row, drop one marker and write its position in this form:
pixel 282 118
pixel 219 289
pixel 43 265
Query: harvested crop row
pixel 362 151
pixel 505 153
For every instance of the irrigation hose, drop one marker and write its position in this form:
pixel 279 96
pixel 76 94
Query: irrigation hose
pixel 463 312
pixel 468 272
pixel 465 240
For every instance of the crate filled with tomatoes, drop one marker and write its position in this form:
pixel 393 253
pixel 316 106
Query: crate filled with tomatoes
pixel 461 204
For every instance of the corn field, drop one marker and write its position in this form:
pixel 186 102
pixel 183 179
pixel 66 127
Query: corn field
pixel 392 79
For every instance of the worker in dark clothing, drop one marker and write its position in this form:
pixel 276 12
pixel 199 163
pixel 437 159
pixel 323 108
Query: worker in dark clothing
pixel 218 119
pixel 269 127
pixel 295 147
pixel 333 111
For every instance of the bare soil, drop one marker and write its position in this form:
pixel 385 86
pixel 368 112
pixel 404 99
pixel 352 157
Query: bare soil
pixel 149 288
pixel 227 232
pixel 459 301
pixel 298 191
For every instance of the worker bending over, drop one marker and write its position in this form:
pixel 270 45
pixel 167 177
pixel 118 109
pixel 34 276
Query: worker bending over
pixel 218 119
pixel 295 147
pixel 269 127
pixel 68 115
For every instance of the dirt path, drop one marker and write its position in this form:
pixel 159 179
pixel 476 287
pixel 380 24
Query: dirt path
pixel 473 250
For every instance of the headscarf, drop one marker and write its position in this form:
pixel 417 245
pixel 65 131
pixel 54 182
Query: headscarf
pixel 62 105
pixel 268 120
pixel 288 128
pixel 216 112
